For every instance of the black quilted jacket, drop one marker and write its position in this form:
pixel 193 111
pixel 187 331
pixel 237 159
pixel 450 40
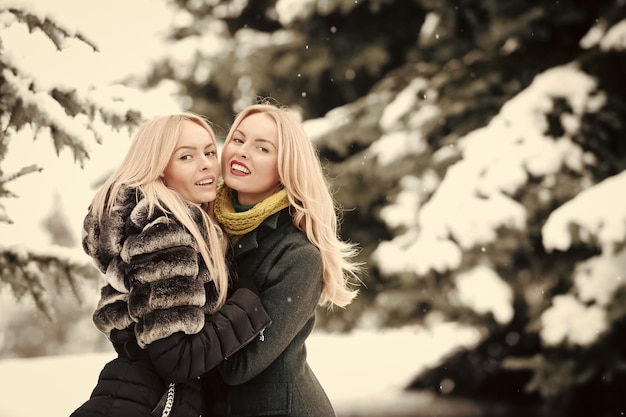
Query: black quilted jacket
pixel 154 308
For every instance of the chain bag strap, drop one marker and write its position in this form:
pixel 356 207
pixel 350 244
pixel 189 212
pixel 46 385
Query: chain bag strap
pixel 164 407
pixel 170 400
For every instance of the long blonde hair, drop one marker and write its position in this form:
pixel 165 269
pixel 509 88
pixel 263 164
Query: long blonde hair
pixel 152 146
pixel 316 212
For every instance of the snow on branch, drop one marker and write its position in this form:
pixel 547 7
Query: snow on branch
pixel 50 113
pixel 20 173
pixel 598 213
pixel 475 198
pixel 36 19
pixel 32 272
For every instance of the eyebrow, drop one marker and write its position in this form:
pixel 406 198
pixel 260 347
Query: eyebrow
pixel 266 141
pixel 257 139
pixel 211 145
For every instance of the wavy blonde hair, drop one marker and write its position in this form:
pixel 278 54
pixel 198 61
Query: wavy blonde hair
pixel 152 146
pixel 316 212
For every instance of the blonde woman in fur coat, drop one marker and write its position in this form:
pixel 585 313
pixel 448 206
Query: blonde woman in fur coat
pixel 280 218
pixel 164 305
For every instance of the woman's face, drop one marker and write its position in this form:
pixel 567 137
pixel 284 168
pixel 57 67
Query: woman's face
pixel 250 159
pixel 193 168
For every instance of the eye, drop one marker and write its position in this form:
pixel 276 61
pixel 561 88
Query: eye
pixel 237 140
pixel 209 154
pixel 184 157
pixel 262 149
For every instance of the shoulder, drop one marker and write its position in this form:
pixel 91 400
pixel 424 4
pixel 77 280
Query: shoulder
pixel 291 243
pixel 102 238
pixel 151 228
pixel 280 228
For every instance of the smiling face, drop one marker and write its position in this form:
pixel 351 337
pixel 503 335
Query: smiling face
pixel 193 168
pixel 250 159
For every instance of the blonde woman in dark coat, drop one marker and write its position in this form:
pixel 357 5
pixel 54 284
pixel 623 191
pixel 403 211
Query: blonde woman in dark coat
pixel 280 218
pixel 164 304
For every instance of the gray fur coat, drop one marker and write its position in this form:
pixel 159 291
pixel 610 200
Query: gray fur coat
pixel 155 277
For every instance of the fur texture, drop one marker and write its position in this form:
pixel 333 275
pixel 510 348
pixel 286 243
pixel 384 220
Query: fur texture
pixel 155 277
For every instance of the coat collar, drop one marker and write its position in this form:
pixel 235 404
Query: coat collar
pixel 252 239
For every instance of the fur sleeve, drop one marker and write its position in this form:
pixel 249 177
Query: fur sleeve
pixel 102 239
pixel 166 277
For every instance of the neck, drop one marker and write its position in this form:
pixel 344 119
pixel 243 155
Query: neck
pixel 239 207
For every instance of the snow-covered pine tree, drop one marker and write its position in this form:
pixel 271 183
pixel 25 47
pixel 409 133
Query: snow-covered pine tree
pixel 68 116
pixel 494 158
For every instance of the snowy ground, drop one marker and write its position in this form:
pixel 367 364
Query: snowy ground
pixel 362 372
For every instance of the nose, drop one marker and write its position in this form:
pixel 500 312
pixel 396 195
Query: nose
pixel 206 163
pixel 242 151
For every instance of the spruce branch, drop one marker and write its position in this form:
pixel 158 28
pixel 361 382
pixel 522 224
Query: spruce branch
pixel 55 32
pixel 28 272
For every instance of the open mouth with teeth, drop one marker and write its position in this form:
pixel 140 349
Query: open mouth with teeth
pixel 240 168
pixel 205 182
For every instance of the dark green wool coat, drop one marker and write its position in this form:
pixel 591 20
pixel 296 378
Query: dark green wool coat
pixel 154 308
pixel 273 378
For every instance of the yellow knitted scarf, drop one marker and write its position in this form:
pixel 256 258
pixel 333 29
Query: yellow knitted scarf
pixel 238 224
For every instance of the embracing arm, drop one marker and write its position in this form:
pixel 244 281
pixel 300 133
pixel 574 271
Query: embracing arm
pixel 290 295
pixel 181 357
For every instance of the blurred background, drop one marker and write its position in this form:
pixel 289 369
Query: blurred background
pixel 476 147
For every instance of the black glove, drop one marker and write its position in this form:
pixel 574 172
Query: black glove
pixel 125 344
